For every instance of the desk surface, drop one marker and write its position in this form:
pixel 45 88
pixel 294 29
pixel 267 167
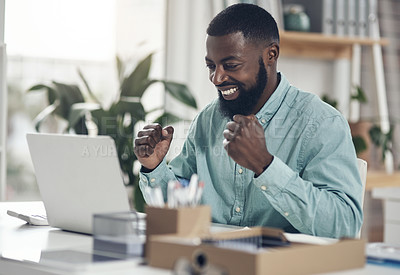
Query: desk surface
pixel 22 246
pixel 380 179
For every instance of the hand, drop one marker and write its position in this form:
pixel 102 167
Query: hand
pixel 245 143
pixel 152 144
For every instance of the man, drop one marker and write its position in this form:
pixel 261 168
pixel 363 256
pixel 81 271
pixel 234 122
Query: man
pixel 268 153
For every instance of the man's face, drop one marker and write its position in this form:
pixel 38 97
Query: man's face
pixel 237 70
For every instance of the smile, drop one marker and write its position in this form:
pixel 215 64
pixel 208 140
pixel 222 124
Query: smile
pixel 230 91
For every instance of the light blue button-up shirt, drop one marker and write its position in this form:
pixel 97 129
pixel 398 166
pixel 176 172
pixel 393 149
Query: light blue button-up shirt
pixel 312 186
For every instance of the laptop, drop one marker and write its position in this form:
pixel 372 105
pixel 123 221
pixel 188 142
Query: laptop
pixel 77 176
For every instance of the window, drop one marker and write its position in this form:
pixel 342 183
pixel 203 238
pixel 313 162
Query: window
pixel 49 39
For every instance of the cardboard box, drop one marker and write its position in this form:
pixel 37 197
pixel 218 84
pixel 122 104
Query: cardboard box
pixel 183 221
pixel 298 258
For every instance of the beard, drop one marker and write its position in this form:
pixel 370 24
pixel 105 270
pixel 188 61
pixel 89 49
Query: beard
pixel 247 99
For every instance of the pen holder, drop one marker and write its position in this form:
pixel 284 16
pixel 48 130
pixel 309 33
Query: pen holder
pixel 184 221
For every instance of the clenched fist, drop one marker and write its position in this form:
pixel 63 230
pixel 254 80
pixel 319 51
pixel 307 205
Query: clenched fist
pixel 245 143
pixel 152 144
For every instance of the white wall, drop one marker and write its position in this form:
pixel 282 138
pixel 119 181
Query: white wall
pixel 310 75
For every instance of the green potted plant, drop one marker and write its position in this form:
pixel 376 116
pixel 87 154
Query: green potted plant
pixel 366 133
pixel 85 114
pixel 359 128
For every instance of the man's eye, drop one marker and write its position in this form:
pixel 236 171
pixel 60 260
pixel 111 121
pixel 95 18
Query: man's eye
pixel 210 66
pixel 231 66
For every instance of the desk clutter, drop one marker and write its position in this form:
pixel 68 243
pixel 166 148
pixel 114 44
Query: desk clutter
pixel 180 193
pixel 178 235
pixel 236 253
pixel 182 239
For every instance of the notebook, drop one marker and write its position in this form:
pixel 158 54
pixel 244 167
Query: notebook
pixel 77 176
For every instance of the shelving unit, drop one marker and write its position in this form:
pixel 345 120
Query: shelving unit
pixel 380 179
pixel 316 45
pixel 345 52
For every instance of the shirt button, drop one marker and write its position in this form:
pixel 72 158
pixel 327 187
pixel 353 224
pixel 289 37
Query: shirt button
pixel 263 187
pixel 237 209
pixel 263 120
pixel 153 180
pixel 240 171
pixel 286 214
pixel 144 179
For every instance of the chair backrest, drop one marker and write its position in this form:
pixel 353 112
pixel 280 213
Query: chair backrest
pixel 362 169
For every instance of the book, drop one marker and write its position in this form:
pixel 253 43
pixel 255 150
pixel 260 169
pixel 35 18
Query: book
pixel 372 19
pixel 328 17
pixel 351 20
pixel 362 18
pixel 340 18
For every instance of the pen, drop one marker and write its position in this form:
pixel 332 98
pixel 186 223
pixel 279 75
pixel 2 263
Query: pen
pixel 148 195
pixel 192 189
pixel 199 193
pixel 170 194
pixel 158 197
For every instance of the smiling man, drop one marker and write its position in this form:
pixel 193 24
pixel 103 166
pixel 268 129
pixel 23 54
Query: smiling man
pixel 268 153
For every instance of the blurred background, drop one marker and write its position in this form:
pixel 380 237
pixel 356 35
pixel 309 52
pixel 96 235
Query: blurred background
pixel 49 40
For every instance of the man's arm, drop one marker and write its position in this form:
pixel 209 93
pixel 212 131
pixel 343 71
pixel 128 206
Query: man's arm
pixel 324 197
pixel 158 173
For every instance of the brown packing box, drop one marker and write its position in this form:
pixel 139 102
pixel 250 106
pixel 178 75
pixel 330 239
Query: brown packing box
pixel 183 221
pixel 298 258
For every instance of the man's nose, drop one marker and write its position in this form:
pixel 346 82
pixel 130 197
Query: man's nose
pixel 219 76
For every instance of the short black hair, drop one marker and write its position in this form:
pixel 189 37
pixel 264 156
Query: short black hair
pixel 256 24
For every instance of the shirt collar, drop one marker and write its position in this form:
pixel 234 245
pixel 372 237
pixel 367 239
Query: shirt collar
pixel 272 105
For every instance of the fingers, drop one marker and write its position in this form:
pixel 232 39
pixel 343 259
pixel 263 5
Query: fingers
pixel 148 138
pixel 168 132
pixel 245 120
pixel 143 151
pixel 243 126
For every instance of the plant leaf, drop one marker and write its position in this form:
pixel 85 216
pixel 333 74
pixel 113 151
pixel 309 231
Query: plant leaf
pixel 120 70
pixel 38 87
pixel 360 95
pixel 87 86
pixel 132 85
pixel 376 135
pixel 359 144
pixel 136 109
pixel 79 110
pixel 180 92
pixel 106 122
pixel 44 114
pixel 52 94
pixel 329 100
pixel 167 118
pixel 69 94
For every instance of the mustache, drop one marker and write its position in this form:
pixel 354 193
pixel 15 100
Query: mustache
pixel 227 84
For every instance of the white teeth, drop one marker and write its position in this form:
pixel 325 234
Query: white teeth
pixel 230 91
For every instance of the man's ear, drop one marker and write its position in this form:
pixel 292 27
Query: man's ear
pixel 271 53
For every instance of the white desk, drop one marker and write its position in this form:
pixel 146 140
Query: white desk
pixel 25 245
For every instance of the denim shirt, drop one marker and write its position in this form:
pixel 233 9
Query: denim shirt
pixel 312 185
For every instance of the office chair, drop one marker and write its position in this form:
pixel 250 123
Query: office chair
pixel 362 169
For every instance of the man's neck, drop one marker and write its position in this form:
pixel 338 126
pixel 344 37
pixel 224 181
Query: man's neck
pixel 272 84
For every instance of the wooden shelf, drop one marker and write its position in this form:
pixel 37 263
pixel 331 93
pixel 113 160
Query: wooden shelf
pixel 376 179
pixel 317 45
